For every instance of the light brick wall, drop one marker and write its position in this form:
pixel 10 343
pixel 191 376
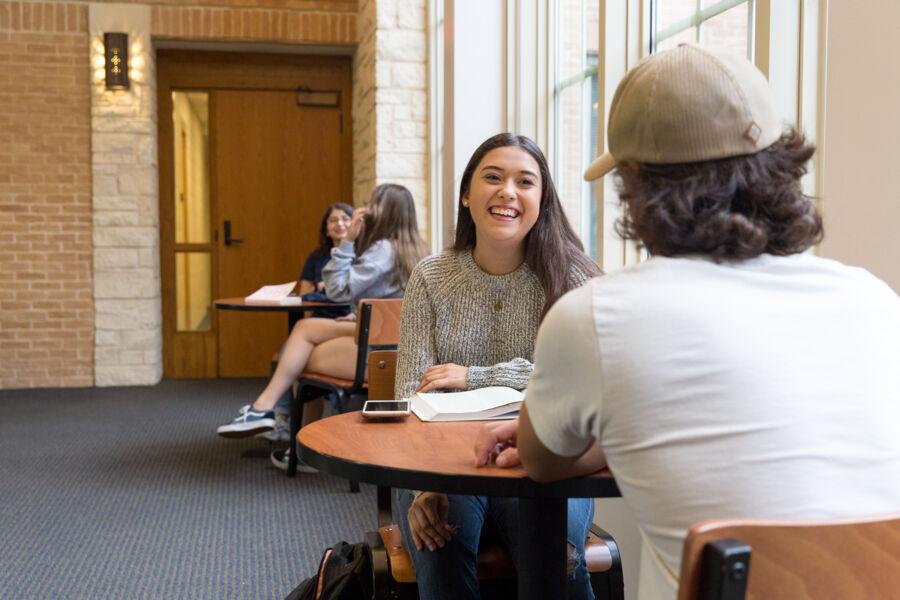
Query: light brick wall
pixel 390 100
pixel 46 316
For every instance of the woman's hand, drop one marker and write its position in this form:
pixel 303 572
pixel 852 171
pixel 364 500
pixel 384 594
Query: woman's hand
pixel 320 287
pixel 356 224
pixel 496 442
pixel 444 377
pixel 427 517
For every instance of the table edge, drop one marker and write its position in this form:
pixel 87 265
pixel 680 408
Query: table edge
pixel 486 485
pixel 224 304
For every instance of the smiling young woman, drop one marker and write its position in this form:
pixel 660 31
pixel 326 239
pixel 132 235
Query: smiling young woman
pixel 470 320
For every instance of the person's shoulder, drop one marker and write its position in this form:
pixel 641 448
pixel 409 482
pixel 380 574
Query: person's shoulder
pixel 573 310
pixel 318 254
pixel 579 273
pixel 862 281
pixel 437 264
pixel 382 247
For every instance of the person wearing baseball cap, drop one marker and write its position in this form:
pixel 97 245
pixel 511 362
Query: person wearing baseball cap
pixel 733 373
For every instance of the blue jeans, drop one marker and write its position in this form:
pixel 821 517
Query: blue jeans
pixel 449 572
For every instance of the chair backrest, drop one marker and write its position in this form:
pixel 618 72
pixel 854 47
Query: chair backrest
pixel 383 325
pixel 382 368
pixel 377 328
pixel 795 560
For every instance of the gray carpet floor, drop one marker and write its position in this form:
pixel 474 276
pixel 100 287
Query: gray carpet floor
pixel 129 493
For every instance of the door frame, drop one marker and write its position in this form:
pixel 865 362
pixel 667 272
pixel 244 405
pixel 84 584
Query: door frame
pixel 183 70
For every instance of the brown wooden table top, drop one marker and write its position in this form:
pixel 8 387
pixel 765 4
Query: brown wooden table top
pixel 267 306
pixel 439 457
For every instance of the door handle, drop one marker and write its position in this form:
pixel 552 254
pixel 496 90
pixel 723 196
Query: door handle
pixel 229 241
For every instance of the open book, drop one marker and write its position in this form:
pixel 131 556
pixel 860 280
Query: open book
pixel 483 404
pixel 275 293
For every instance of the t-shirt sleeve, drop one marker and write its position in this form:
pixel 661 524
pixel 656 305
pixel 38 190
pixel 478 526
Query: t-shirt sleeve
pixel 309 268
pixel 564 395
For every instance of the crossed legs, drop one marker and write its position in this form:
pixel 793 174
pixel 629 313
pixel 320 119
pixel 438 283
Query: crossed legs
pixel 324 345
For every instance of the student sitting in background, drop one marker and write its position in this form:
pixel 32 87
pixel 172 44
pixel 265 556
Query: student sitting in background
pixel 379 250
pixel 332 231
pixel 733 374
pixel 334 225
pixel 469 321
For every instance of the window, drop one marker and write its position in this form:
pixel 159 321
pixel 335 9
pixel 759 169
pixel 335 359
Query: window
pixel 725 25
pixel 574 104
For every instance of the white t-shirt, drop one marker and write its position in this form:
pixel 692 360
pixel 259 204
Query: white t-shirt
pixel 760 388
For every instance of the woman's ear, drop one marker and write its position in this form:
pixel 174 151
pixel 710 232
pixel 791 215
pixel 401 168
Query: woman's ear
pixel 465 200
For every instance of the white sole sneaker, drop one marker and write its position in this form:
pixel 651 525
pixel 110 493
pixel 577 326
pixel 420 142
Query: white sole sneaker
pixel 279 458
pixel 241 430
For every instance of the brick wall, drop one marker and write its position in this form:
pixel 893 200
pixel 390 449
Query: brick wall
pixel 254 24
pixel 46 307
pixel 79 276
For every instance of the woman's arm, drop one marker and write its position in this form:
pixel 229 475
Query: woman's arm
pixel 306 287
pixel 348 276
pixel 514 374
pixel 417 351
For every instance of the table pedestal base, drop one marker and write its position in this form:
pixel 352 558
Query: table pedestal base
pixel 542 543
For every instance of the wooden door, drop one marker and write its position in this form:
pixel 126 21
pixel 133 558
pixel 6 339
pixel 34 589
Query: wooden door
pixel 276 167
pixel 277 147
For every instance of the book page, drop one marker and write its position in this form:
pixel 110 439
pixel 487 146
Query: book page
pixel 472 401
pixel 272 293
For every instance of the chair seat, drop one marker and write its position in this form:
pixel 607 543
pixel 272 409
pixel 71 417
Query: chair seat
pixel 328 379
pixel 493 561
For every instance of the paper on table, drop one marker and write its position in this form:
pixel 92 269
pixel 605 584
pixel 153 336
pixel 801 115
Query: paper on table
pixel 272 293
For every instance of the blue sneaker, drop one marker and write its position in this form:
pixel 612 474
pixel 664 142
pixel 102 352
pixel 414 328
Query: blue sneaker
pixel 249 422
pixel 282 431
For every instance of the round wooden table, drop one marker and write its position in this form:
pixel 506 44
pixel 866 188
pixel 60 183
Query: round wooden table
pixel 440 457
pixel 294 311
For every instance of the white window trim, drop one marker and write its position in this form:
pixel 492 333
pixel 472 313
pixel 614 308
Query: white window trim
pixel 440 223
pixel 789 48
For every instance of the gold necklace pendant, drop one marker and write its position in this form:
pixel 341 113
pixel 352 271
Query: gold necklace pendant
pixel 498 306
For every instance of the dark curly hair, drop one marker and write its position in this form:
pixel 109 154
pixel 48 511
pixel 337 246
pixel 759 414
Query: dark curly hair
pixel 732 208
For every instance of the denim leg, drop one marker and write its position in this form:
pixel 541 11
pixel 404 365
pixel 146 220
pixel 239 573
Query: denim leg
pixel 447 573
pixel 504 512
pixel 581 515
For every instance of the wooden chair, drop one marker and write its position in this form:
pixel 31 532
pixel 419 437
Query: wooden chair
pixel 783 560
pixel 377 328
pixel 395 577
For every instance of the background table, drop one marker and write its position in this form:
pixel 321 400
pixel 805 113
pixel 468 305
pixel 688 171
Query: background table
pixel 440 457
pixel 294 311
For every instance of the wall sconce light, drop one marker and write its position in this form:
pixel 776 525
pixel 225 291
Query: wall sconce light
pixel 116 54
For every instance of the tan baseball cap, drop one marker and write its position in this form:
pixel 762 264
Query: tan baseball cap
pixel 688 104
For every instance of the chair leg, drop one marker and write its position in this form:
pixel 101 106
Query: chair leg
pixel 296 420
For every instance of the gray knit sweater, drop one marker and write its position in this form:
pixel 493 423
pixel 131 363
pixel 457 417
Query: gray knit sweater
pixel 454 312
pixel 349 277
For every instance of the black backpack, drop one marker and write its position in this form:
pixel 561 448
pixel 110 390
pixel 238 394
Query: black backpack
pixel 345 573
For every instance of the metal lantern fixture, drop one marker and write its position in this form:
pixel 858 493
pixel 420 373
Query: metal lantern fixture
pixel 116 52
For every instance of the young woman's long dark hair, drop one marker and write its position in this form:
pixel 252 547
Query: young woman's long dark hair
pixel 552 249
pixel 325 241
pixel 391 215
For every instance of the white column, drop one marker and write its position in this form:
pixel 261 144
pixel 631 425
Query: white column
pixel 128 318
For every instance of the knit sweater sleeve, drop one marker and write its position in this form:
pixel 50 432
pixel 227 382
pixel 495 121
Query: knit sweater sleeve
pixel 347 276
pixel 418 349
pixel 514 374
